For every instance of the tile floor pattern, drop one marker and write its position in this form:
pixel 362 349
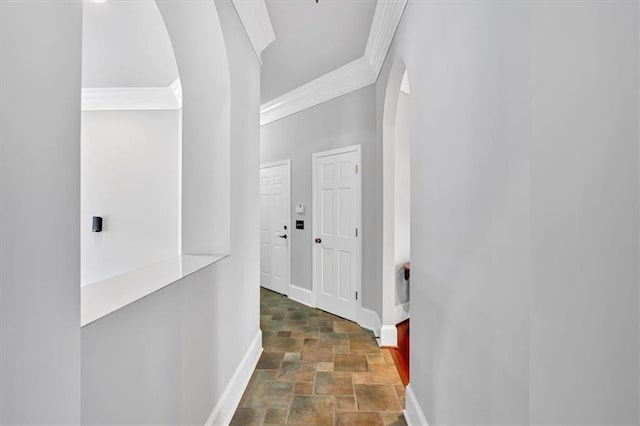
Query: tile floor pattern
pixel 318 369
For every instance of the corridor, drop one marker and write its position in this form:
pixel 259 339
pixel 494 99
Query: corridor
pixel 319 369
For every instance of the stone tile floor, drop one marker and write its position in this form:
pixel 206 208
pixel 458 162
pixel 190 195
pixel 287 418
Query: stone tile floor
pixel 318 369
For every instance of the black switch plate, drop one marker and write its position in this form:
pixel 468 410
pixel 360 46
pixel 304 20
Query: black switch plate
pixel 96 225
pixel 299 224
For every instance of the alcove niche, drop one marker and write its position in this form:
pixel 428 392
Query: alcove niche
pixel 157 173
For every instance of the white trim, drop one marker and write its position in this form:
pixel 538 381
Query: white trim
pixel 413 413
pixel 255 19
pixel 352 76
pixel 404 86
pixel 369 319
pixel 226 406
pixel 314 227
pixel 389 335
pixel 386 19
pixel 176 88
pixel 286 162
pixel 133 98
pixel 129 99
pixel 302 295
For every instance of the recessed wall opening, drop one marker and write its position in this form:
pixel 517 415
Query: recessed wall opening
pixel 156 178
pixel 130 142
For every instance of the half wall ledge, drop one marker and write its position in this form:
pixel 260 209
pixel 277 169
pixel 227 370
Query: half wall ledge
pixel 104 297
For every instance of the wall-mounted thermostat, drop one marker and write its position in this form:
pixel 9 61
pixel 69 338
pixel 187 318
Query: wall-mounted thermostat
pixel 300 208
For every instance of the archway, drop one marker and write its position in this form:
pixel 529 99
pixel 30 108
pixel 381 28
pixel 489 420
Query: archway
pixel 396 204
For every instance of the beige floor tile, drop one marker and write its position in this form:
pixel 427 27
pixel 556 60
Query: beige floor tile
pixel 350 362
pixel 276 416
pixel 324 366
pixel 330 383
pixel 269 394
pixel 393 419
pixel 293 371
pixel 303 389
pixel 311 410
pixel 345 403
pixel 377 398
pixel 358 418
pixel 248 417
pixel 298 378
pixel 270 361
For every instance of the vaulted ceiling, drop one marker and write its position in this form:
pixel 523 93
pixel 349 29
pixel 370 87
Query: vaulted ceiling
pixel 312 39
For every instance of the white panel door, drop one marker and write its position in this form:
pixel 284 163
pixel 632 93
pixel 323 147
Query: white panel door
pixel 275 212
pixel 336 213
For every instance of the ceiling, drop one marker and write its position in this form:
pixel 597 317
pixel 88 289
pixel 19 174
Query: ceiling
pixel 126 44
pixel 311 40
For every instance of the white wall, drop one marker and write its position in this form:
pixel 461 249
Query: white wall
pixel 524 299
pixel 584 204
pixel 402 204
pixel 131 177
pixel 40 46
pixel 169 357
pixel 344 121
pixel 468 65
pixel 125 44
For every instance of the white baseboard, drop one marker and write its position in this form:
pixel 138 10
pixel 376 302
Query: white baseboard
pixel 388 335
pixel 370 320
pixel 226 406
pixel 413 413
pixel 302 295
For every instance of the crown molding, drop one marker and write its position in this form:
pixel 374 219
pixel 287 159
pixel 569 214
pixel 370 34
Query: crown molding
pixel 256 22
pixel 133 98
pixel 352 76
pixel 383 27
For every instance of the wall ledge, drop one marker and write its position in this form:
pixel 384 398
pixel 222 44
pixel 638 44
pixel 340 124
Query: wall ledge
pixel 101 298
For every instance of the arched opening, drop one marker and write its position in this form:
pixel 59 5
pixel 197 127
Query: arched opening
pixel 156 173
pixel 131 171
pixel 396 209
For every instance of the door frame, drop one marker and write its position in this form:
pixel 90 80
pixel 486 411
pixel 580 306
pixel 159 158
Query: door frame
pixel 315 226
pixel 285 162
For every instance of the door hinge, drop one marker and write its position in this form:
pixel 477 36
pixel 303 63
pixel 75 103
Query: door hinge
pixel 356 295
pixel 356 232
pixel 356 169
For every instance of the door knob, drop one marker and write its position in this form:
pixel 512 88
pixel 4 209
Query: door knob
pixel 318 240
pixel 283 236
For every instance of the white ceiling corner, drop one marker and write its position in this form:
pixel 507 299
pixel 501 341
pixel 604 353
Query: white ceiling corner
pixel 257 23
pixel 352 76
